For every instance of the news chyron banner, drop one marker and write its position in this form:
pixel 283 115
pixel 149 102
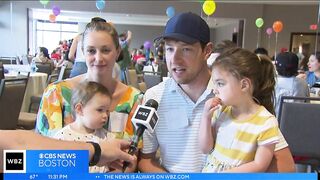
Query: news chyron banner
pixel 73 164
pixel 44 164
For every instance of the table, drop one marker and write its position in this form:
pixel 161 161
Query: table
pixel 36 85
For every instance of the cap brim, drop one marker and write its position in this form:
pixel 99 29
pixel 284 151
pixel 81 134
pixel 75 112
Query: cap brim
pixel 179 37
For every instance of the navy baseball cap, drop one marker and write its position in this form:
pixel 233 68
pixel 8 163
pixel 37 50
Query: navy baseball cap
pixel 187 27
pixel 287 61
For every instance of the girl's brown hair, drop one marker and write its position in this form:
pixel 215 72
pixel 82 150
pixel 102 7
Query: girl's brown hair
pixel 242 63
pixel 84 91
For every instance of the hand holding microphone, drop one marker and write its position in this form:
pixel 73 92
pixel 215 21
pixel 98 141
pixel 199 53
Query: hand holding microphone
pixel 145 117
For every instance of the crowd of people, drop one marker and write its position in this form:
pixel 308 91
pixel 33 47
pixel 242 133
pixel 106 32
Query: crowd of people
pixel 216 112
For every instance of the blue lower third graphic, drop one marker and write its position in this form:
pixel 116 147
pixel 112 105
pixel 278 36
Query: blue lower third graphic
pixel 57 161
pixel 168 176
pixel 73 164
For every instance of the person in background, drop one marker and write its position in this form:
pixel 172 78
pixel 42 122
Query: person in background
pixel 287 82
pixel 238 130
pixel 112 151
pixel 43 57
pixel 261 50
pixel 56 55
pixel 140 60
pixel 76 55
pixel 313 75
pixel 124 62
pixel 181 101
pixel 101 48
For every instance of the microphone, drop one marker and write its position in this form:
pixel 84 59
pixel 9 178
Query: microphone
pixel 145 117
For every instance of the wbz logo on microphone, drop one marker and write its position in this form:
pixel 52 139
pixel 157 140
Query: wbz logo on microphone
pixel 14 161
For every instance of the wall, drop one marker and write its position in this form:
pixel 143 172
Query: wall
pixel 295 18
pixel 224 33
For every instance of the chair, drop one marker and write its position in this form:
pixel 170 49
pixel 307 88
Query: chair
pixel 152 80
pixel 132 78
pixel 1 71
pixel 11 97
pixel 44 68
pixel 300 125
pixel 36 99
pixel 64 73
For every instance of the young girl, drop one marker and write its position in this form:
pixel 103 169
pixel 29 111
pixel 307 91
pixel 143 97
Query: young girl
pixel 238 129
pixel 90 104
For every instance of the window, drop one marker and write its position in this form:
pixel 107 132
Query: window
pixel 49 34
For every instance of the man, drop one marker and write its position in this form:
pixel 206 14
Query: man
pixel 181 100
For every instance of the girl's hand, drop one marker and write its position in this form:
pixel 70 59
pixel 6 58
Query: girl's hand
pixel 210 106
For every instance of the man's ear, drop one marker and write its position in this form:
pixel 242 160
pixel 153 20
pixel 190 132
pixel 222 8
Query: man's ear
pixel 79 109
pixel 208 50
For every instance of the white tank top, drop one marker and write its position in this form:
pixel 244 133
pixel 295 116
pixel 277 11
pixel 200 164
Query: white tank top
pixel 79 54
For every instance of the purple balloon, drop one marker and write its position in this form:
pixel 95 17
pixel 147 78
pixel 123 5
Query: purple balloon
pixel 147 44
pixel 56 10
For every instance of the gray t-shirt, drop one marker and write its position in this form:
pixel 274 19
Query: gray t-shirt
pixel 289 86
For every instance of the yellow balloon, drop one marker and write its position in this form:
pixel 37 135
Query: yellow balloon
pixel 209 7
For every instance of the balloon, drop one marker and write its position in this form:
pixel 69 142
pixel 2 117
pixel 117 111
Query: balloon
pixel 147 44
pixel 269 31
pixel 44 2
pixel 100 4
pixel 170 11
pixel 277 26
pixel 208 7
pixel 52 18
pixel 259 22
pixel 56 10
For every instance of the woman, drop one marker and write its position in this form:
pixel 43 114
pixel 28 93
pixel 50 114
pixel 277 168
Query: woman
pixel 313 75
pixel 101 49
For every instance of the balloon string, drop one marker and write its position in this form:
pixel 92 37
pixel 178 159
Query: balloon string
pixel 11 9
pixel 258 39
pixel 275 47
pixel 316 45
pixel 269 42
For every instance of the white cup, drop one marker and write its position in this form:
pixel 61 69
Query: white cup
pixel 117 122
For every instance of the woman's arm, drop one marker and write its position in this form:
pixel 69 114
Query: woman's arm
pixel 55 109
pixel 73 48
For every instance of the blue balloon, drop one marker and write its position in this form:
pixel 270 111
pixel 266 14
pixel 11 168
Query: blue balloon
pixel 170 11
pixel 100 4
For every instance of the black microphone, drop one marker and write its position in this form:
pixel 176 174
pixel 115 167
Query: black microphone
pixel 145 117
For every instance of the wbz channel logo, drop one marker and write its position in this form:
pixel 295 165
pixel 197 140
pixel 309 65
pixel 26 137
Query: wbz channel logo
pixel 14 161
